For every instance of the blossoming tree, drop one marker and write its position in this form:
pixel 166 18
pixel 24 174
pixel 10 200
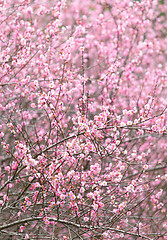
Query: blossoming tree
pixel 82 119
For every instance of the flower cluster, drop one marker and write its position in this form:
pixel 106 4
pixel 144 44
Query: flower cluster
pixel 83 116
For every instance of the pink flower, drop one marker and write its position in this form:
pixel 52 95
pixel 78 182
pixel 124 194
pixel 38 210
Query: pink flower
pixel 72 196
pixel 86 219
pixel 95 206
pixel 27 236
pixel 1 134
pixel 28 203
pixel 21 228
